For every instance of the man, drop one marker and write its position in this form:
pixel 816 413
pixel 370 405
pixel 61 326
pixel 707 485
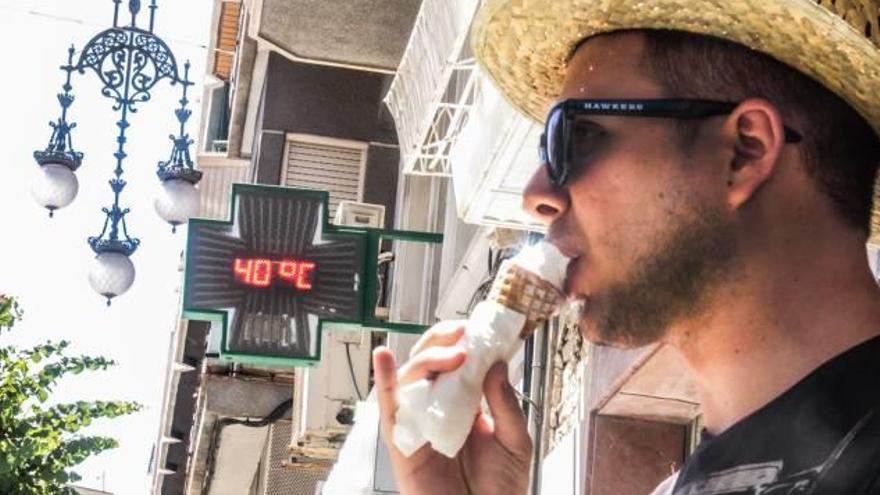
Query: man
pixel 714 198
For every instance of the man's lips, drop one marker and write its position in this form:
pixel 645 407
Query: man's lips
pixel 569 286
pixel 566 251
pixel 573 255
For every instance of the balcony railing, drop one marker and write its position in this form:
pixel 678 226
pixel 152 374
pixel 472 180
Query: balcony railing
pixel 434 87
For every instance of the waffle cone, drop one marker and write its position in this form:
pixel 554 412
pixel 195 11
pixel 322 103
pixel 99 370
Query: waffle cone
pixel 526 293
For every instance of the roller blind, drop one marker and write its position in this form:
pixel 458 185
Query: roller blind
pixel 325 165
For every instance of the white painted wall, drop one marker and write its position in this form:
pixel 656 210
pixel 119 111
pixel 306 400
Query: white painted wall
pixel 561 471
pixel 329 385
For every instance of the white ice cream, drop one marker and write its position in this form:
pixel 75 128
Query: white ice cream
pixel 545 260
pixel 442 412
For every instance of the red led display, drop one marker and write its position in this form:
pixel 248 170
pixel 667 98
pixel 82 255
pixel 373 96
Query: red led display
pixel 263 272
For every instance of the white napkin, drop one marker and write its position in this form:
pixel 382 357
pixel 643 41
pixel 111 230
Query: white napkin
pixel 352 473
pixel 442 411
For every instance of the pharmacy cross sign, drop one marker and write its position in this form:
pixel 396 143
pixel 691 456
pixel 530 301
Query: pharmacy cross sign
pixel 277 273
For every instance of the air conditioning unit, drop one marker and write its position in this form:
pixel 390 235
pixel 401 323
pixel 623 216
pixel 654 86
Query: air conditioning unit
pixel 324 396
pixel 354 214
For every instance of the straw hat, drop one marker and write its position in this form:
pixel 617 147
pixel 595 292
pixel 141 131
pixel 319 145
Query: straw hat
pixel 523 45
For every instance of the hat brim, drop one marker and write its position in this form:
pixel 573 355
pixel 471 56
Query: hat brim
pixel 524 45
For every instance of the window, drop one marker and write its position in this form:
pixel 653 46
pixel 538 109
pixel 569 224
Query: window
pixel 332 165
pixel 217 128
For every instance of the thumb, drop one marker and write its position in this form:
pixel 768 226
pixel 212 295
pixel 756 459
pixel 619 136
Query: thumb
pixel 510 423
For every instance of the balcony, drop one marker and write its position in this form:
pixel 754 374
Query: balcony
pixel 451 121
pixel 434 87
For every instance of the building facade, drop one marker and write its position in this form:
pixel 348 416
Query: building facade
pixel 293 98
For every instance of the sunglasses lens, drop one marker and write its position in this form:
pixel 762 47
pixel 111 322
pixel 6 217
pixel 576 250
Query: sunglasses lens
pixel 553 133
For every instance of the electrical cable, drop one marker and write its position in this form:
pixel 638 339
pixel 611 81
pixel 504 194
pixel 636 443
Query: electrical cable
pixel 351 370
pixel 88 23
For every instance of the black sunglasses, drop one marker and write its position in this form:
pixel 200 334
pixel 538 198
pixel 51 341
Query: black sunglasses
pixel 555 149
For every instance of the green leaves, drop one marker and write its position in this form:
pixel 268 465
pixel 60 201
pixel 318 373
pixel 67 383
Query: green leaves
pixel 10 312
pixel 40 444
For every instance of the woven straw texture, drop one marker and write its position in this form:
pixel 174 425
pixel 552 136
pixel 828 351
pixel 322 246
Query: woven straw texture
pixel 526 293
pixel 523 45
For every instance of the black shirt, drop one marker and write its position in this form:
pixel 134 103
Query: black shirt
pixel 822 436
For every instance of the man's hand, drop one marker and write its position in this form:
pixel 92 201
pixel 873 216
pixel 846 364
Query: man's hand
pixel 497 455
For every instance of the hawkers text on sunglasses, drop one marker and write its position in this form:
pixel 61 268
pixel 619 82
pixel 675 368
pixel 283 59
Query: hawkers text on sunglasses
pixel 555 149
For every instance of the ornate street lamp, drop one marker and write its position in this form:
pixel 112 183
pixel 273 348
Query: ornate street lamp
pixel 129 61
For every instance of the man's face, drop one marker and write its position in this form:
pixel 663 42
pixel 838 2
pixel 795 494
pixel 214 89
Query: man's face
pixel 643 217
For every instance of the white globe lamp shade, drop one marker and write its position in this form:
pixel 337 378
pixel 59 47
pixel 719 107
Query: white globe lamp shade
pixel 177 201
pixel 111 275
pixel 55 186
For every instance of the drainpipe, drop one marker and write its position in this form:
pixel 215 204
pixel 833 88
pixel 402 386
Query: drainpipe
pixel 538 381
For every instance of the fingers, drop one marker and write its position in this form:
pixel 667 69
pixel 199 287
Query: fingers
pixel 431 362
pixel 426 364
pixel 508 418
pixel 445 333
pixel 385 374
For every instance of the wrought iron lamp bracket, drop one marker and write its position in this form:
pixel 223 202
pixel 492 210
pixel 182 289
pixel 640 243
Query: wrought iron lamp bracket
pixel 180 165
pixel 130 61
pixel 134 8
pixel 114 244
pixel 60 147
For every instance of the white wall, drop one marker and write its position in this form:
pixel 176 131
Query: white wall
pixel 562 469
pixel 329 384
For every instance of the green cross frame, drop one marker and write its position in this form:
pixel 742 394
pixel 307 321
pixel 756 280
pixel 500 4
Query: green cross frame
pixel 211 294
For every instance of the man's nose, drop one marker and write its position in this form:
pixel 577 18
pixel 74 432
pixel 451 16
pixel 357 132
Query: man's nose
pixel 542 200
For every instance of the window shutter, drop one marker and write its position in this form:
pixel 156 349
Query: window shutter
pixel 328 165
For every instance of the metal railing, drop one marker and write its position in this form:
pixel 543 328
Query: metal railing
pixel 427 111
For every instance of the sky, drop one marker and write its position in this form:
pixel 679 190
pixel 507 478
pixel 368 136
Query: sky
pixel 45 262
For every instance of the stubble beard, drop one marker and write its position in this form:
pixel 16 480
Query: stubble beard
pixel 675 282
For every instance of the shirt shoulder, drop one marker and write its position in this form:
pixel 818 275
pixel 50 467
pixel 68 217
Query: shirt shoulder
pixel 795 438
pixel 666 487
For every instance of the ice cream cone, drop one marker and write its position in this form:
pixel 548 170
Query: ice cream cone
pixel 523 296
pixel 526 293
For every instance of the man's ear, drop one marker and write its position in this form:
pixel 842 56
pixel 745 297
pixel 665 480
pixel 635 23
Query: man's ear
pixel 758 137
